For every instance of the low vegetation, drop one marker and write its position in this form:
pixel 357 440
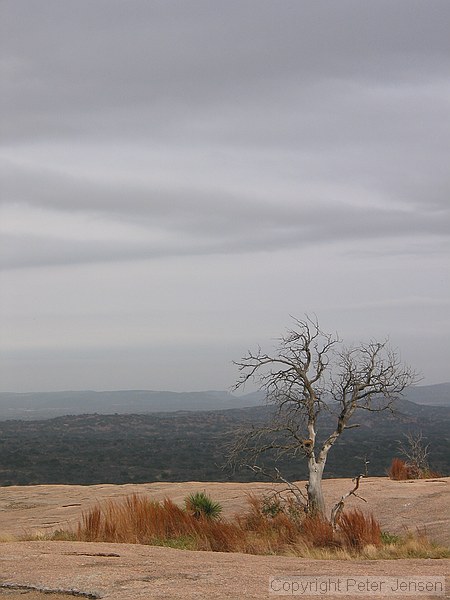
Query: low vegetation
pixel 200 505
pixel 264 528
pixel 415 466
pixel 400 470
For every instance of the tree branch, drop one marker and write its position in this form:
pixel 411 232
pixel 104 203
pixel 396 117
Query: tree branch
pixel 339 506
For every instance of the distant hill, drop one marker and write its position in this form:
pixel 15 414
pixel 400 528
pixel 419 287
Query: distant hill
pixel 47 405
pixel 192 445
pixel 436 395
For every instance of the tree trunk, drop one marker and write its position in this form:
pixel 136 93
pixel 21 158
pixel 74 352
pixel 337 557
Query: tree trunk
pixel 316 501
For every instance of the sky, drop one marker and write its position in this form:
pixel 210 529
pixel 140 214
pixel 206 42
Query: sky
pixel 180 178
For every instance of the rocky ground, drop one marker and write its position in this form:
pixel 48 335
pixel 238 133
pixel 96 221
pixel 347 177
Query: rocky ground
pixel 114 571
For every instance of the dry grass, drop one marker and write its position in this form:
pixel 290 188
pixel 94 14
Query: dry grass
pixel 141 520
pixel 358 530
pixel 265 533
pixel 400 471
pixel 318 533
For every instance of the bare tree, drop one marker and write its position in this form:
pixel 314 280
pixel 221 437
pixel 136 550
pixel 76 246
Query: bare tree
pixel 416 453
pixel 311 372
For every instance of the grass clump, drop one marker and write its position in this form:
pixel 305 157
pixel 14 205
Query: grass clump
pixel 140 520
pixel 400 470
pixel 389 538
pixel 357 530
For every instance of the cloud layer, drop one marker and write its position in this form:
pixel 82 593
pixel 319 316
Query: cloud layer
pixel 305 141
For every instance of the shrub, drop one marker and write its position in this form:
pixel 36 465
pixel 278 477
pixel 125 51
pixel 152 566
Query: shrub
pixel 267 531
pixel 429 474
pixel 273 505
pixel 389 538
pixel 201 505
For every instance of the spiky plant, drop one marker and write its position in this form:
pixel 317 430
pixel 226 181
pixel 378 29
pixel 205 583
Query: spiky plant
pixel 199 504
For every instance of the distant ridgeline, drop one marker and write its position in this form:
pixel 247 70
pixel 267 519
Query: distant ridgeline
pixel 191 445
pixel 46 405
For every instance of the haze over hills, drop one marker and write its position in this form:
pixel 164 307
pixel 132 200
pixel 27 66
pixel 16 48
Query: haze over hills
pixel 46 405
pixel 436 395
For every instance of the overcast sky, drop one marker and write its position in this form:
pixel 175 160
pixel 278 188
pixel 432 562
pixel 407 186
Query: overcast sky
pixel 178 177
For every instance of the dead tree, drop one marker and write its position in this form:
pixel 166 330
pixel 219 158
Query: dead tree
pixel 416 453
pixel 310 372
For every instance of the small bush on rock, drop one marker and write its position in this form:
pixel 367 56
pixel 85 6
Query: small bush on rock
pixel 201 505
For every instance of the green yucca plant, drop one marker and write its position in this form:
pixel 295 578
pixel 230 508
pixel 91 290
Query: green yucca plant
pixel 200 505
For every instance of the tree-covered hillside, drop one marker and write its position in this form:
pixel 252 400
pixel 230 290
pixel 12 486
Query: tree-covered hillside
pixel 183 446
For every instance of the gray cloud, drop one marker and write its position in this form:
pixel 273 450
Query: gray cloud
pixel 85 68
pixel 306 140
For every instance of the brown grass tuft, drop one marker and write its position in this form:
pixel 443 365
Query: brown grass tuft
pixel 139 520
pixel 401 470
pixel 398 470
pixel 357 530
pixel 318 533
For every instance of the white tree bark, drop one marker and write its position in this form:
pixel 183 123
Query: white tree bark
pixel 316 500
